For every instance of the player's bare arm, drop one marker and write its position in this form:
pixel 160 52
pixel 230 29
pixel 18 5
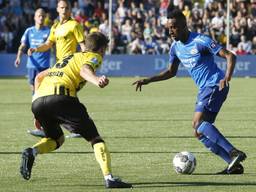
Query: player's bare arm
pixel 19 54
pixel 42 48
pixel 169 73
pixel 231 61
pixel 88 74
pixel 39 78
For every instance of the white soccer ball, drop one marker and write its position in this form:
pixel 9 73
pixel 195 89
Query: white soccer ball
pixel 184 162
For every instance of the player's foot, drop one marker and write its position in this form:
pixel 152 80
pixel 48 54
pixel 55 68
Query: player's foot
pixel 238 169
pixel 237 157
pixel 116 183
pixel 73 135
pixel 27 160
pixel 36 133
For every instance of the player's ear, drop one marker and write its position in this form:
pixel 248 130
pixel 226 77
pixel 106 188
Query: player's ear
pixel 102 50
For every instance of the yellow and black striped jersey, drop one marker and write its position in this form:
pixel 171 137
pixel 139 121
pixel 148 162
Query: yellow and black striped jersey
pixel 64 77
pixel 66 36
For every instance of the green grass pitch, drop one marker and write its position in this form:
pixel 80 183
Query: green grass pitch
pixel 143 131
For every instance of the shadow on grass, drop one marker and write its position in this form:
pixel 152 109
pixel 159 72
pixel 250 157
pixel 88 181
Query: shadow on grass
pixel 74 186
pixel 89 152
pixel 189 184
pixel 176 137
pixel 171 184
pixel 157 120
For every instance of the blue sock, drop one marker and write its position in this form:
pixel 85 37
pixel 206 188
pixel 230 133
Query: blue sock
pixel 215 148
pixel 212 133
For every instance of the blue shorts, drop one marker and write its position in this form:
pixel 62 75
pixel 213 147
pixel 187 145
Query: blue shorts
pixel 210 99
pixel 32 72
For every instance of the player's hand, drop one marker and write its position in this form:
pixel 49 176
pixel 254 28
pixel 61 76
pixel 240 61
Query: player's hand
pixel 103 81
pixel 30 51
pixel 223 83
pixel 17 62
pixel 139 83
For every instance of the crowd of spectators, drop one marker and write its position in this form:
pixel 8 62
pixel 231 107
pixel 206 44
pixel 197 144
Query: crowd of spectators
pixel 138 25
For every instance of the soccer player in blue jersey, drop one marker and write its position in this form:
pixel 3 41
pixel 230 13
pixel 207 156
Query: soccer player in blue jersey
pixel 37 62
pixel 33 37
pixel 196 53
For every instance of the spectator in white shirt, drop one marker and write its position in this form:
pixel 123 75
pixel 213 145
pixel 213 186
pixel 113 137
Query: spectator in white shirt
pixel 245 44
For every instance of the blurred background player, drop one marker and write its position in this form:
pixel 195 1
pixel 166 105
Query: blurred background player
pixel 196 52
pixel 66 33
pixel 34 37
pixel 56 104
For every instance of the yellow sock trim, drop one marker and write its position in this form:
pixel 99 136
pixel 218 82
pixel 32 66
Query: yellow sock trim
pixel 45 145
pixel 103 157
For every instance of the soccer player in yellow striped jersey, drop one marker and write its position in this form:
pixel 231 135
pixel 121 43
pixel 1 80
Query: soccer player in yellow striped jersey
pixel 65 33
pixel 65 74
pixel 56 105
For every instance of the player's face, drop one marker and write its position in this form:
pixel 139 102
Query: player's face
pixel 39 17
pixel 64 10
pixel 176 29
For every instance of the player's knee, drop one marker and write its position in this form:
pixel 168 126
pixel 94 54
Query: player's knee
pixel 60 141
pixel 95 140
pixel 195 125
pixel 210 116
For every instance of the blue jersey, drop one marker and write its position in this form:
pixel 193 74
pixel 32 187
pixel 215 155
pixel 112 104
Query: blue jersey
pixel 197 56
pixel 33 38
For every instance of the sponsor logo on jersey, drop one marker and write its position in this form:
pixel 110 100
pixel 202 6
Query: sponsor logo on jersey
pixel 188 62
pixel 94 60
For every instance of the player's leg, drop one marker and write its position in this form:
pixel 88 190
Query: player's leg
pixel 208 105
pixel 54 137
pixel 38 131
pixel 102 156
pixel 203 121
pixel 31 78
pixel 46 111
pixel 45 145
pixel 209 139
pixel 53 140
pixel 84 125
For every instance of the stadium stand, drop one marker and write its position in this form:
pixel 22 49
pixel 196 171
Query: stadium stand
pixel 138 25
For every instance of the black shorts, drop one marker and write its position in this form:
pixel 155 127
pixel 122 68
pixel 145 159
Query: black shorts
pixel 56 111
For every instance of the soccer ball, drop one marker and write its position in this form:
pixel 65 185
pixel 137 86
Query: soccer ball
pixel 184 162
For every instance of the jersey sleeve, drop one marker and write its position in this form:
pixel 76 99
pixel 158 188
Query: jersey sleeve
pixel 172 55
pixel 52 33
pixel 25 38
pixel 78 33
pixel 93 60
pixel 209 44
